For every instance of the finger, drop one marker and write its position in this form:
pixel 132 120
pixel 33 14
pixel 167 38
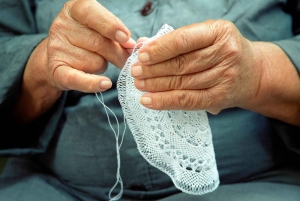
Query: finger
pixel 137 45
pixel 180 41
pixel 88 62
pixel 177 100
pixel 93 15
pixel 78 58
pixel 68 78
pixel 142 39
pixel 204 80
pixel 129 44
pixel 192 62
pixel 91 40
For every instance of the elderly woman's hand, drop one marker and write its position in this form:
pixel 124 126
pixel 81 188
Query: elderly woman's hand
pixel 208 66
pixel 82 39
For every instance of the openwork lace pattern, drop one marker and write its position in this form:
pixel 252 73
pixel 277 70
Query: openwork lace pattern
pixel 177 142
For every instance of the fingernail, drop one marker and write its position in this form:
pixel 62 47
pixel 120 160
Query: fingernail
pixel 140 84
pixel 131 41
pixel 146 100
pixel 136 71
pixel 121 37
pixel 144 57
pixel 105 84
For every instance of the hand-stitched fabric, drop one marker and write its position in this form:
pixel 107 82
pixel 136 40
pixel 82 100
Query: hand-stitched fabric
pixel 177 142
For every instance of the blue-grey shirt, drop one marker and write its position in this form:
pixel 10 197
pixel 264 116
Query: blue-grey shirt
pixel 72 147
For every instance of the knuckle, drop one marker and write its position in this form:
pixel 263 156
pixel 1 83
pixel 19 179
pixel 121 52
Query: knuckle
pixel 176 82
pixel 81 6
pixel 57 25
pixel 225 25
pixel 230 40
pixel 68 9
pixel 84 5
pixel 67 6
pixel 184 100
pixel 81 9
pixel 172 83
pixel 181 41
pixel 210 22
pixel 177 65
pixel 155 85
pixel 179 82
pixel 159 49
pixel 222 26
pixel 94 40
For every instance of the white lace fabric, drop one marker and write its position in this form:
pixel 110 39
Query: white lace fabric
pixel 177 142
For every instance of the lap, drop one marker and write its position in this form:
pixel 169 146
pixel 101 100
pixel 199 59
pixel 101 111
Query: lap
pixel 252 191
pixel 29 185
pixel 31 188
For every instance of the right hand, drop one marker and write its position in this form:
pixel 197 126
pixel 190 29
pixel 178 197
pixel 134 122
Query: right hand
pixel 82 39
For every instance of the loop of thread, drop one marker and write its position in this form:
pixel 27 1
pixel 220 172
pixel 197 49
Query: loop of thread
pixel 118 147
pixel 135 47
pixel 117 134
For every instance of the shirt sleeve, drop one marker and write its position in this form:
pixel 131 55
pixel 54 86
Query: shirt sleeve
pixel 289 133
pixel 18 38
pixel 291 47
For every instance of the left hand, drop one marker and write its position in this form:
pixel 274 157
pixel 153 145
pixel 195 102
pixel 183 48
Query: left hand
pixel 207 66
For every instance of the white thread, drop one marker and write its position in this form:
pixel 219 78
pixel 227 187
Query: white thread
pixel 133 50
pixel 118 147
pixel 178 143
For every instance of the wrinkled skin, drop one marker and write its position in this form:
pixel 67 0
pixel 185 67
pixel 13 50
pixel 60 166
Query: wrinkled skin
pixel 211 66
pixel 206 66
pixel 83 38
